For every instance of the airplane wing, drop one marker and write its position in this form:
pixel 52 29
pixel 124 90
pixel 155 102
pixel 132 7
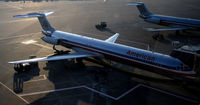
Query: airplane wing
pixel 167 29
pixel 113 38
pixel 54 57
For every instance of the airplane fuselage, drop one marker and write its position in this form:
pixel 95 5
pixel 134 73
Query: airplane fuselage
pixel 91 47
pixel 122 53
pixel 171 21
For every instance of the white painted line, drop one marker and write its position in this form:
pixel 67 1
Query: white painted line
pixel 83 86
pixel 106 95
pixel 29 42
pixel 33 42
pixel 48 91
pixel 109 96
pixel 15 94
pixel 17 36
pixel 44 78
pixel 183 98
pixel 124 94
pixel 40 45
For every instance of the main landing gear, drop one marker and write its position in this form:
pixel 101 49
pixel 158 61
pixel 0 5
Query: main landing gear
pixel 58 52
pixel 177 32
pixel 78 60
pixel 54 48
pixel 158 36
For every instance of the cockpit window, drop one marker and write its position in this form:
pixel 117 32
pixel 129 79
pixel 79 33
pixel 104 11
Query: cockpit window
pixel 183 68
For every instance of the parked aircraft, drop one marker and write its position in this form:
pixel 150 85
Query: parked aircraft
pixel 175 23
pixel 108 49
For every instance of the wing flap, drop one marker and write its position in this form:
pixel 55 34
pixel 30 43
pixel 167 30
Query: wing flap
pixel 53 58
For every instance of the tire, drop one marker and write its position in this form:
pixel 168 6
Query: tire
pixel 18 67
pixel 155 37
pixel 27 66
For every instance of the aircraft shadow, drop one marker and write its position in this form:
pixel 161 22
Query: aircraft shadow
pixel 73 75
pixel 107 30
pixel 68 73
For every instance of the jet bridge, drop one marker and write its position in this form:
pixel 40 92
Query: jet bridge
pixel 190 55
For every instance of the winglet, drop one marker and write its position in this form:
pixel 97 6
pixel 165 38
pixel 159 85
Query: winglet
pixel 113 38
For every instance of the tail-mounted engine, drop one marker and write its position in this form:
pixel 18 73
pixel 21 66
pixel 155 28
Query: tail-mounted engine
pixel 50 40
pixel 154 20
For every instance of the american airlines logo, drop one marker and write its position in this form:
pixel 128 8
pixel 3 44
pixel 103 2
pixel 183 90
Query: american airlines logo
pixel 146 57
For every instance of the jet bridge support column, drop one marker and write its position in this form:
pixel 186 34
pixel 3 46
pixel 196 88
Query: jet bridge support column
pixel 196 65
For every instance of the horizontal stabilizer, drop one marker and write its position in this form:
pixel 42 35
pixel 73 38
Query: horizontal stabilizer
pixel 53 58
pixel 166 29
pixel 113 38
pixel 31 15
pixel 134 4
pixel 42 19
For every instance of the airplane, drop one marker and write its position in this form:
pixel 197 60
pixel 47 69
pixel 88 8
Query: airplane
pixel 102 49
pixel 175 23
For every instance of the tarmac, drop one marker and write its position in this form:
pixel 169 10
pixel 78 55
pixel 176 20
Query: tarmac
pixel 67 83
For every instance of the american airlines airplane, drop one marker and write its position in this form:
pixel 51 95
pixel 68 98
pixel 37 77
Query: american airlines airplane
pixel 108 49
pixel 176 23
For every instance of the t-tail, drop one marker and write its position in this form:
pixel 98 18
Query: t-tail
pixel 47 29
pixel 144 12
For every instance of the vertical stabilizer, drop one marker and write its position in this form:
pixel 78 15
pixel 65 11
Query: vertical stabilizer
pixel 46 27
pixel 142 8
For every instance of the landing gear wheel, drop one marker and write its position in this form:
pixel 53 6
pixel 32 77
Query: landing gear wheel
pixel 158 36
pixel 80 62
pixel 177 32
pixel 27 66
pixel 58 52
pixel 161 36
pixel 18 67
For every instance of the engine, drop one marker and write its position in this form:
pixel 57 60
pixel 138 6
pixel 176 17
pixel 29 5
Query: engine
pixel 50 40
pixel 153 20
